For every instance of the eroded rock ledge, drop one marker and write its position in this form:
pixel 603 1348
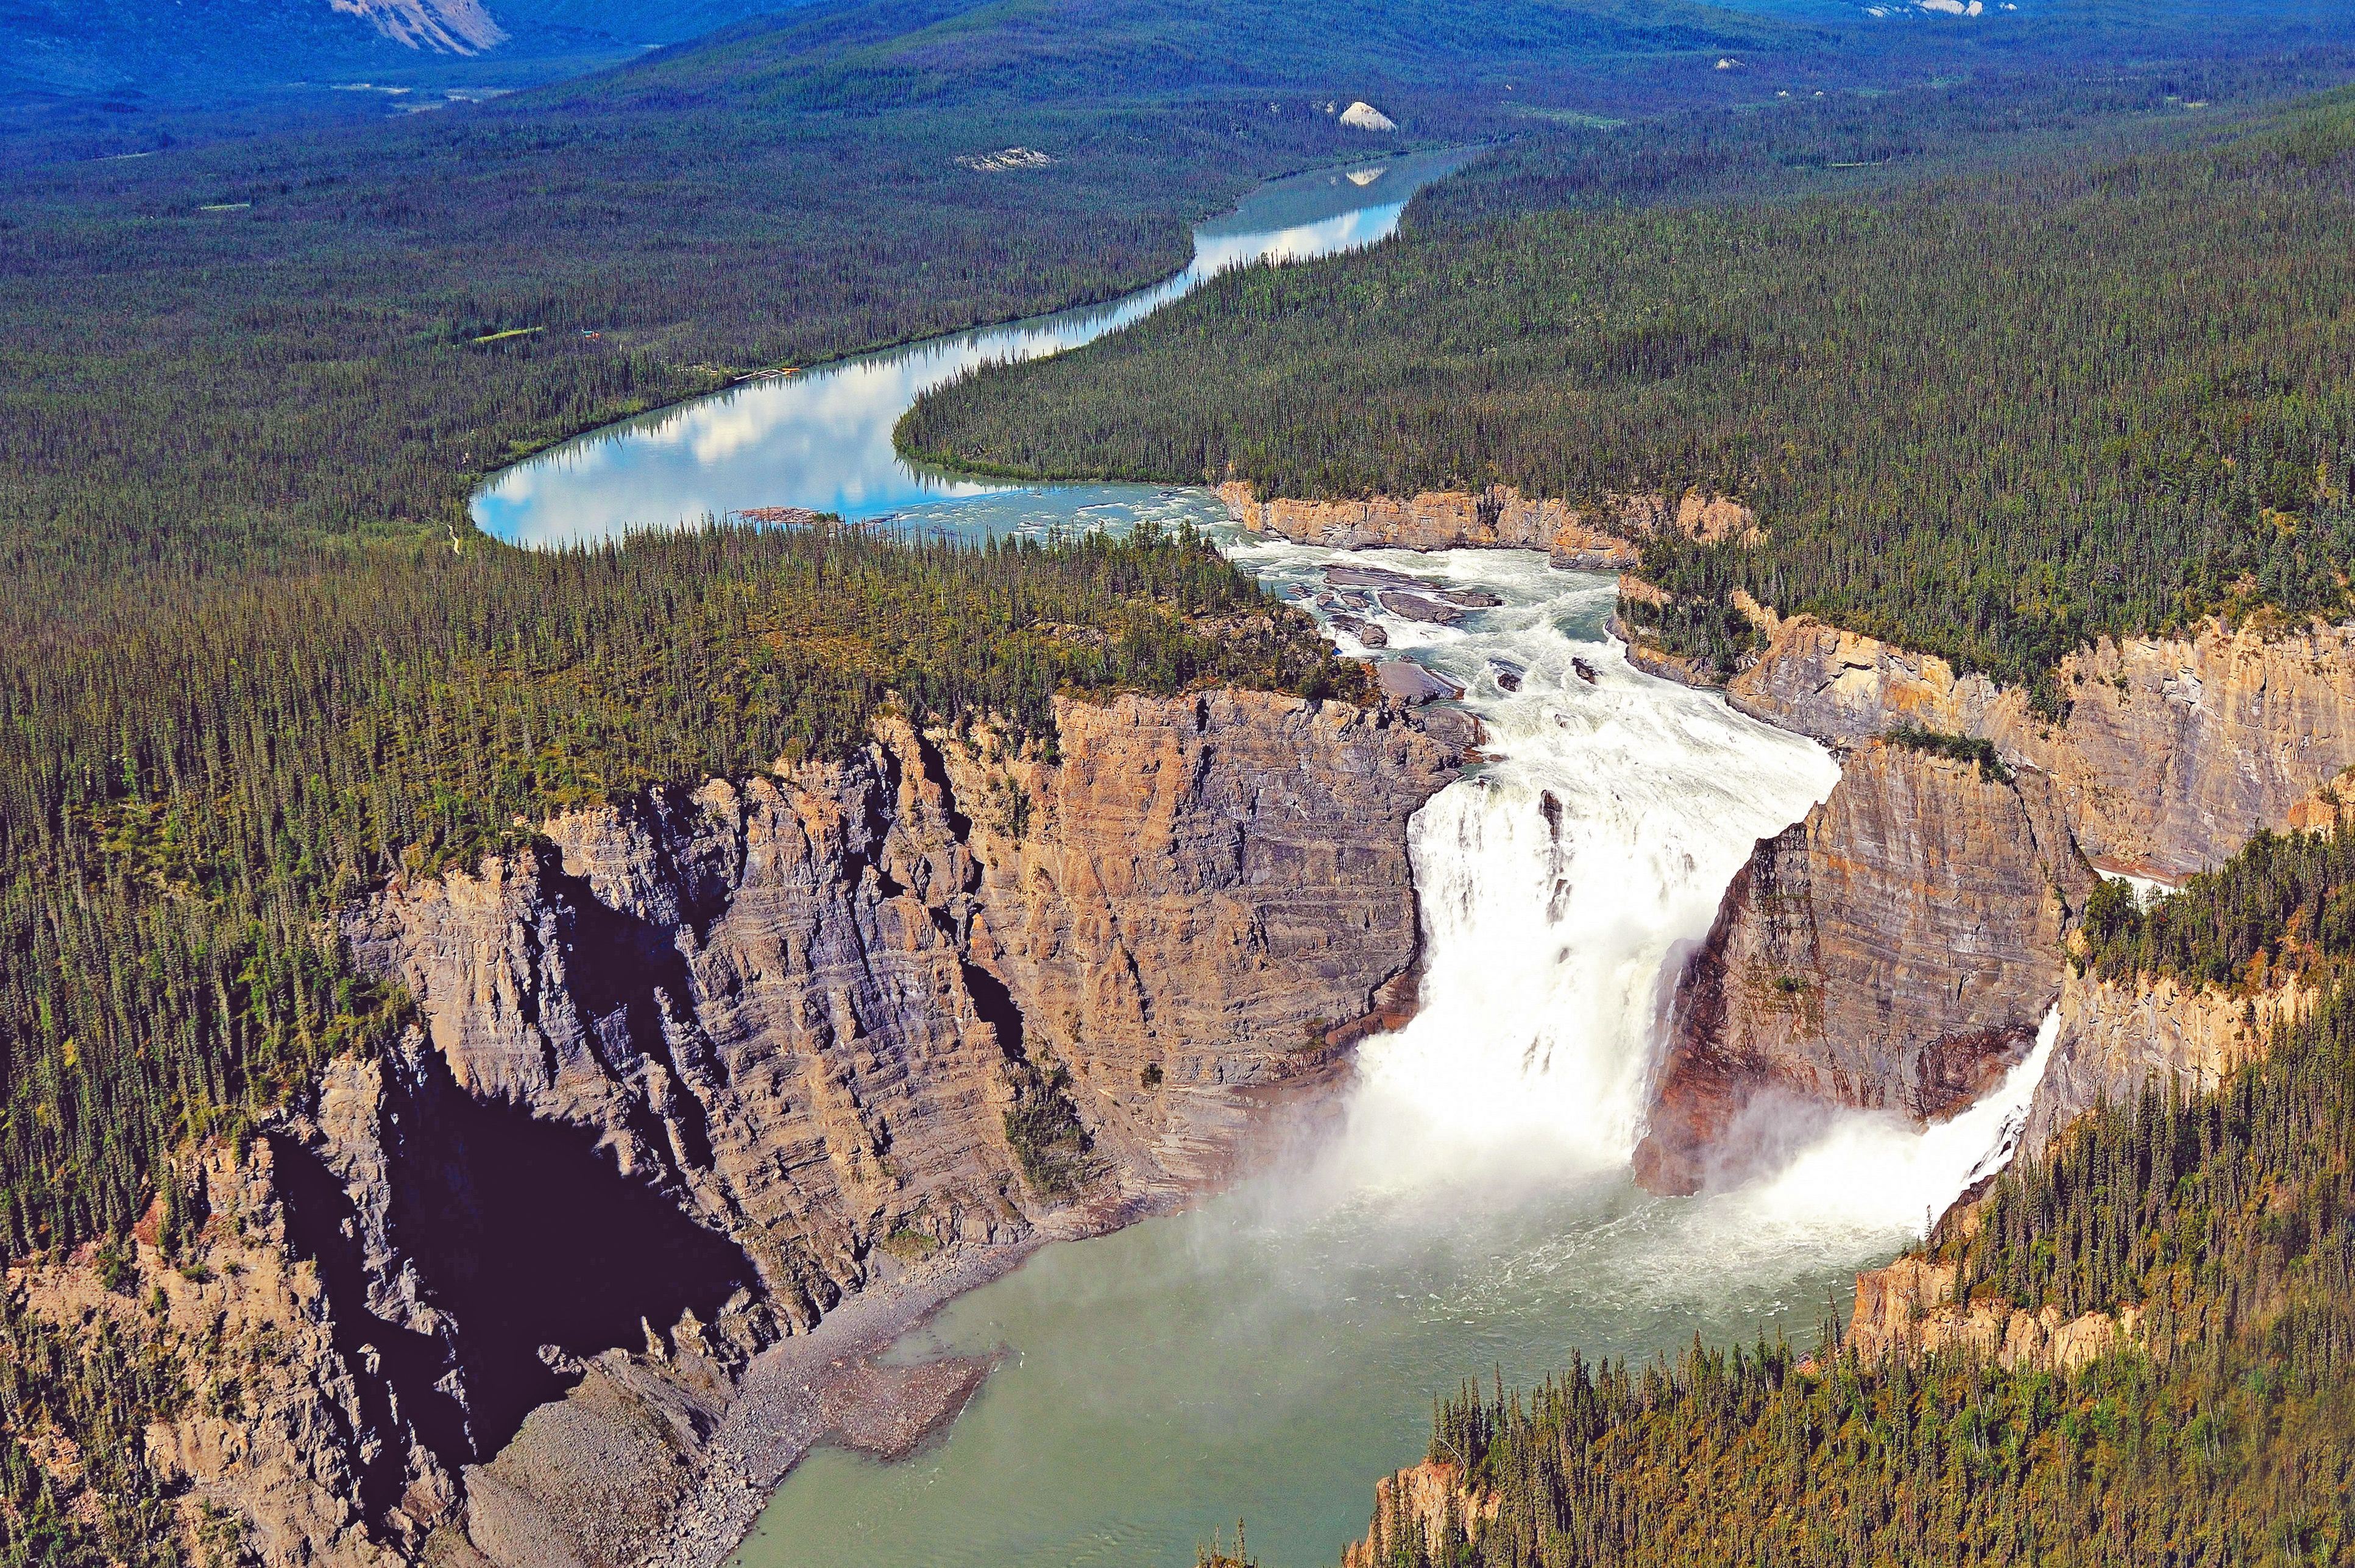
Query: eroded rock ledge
pixel 696 1072
pixel 1597 538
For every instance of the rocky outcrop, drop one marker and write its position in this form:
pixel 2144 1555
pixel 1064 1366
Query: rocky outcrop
pixel 693 1070
pixel 1426 1501
pixel 1897 950
pixel 1599 539
pixel 2115 1038
pixel 2172 752
pixel 1909 1308
pixel 445 27
pixel 276 1424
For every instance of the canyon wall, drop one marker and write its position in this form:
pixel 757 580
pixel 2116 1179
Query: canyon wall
pixel 1597 538
pixel 2172 751
pixel 692 1070
pixel 1897 949
pixel 2115 1038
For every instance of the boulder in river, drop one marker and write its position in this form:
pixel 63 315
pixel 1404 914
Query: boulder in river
pixel 1373 577
pixel 1508 674
pixel 1365 631
pixel 1471 598
pixel 1411 682
pixel 1414 607
pixel 1585 671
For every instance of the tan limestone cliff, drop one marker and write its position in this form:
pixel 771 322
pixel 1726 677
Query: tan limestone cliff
pixel 1895 951
pixel 800 1007
pixel 696 1067
pixel 2116 1037
pixel 1427 1499
pixel 2173 751
pixel 280 1428
pixel 1598 538
pixel 1909 1308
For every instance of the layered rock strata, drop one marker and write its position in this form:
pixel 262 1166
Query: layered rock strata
pixel 2115 1039
pixel 693 1069
pixel 1909 1308
pixel 2172 750
pixel 1897 950
pixel 1597 538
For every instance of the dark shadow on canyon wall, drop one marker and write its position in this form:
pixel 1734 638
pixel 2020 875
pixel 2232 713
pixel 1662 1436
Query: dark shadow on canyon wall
pixel 523 1234
pixel 529 1236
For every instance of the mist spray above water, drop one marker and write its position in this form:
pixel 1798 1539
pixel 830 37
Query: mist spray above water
pixel 1562 882
pixel 1271 1352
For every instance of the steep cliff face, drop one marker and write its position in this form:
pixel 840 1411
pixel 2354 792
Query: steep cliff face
pixel 2115 1038
pixel 1416 1510
pixel 2172 752
pixel 1909 1308
pixel 1897 950
pixel 1589 539
pixel 274 1421
pixel 694 1068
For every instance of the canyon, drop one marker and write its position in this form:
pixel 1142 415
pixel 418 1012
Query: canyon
pixel 697 1069
pixel 2170 753
pixel 1900 948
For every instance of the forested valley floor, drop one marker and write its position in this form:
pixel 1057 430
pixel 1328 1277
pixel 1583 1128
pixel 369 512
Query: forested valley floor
pixel 2098 390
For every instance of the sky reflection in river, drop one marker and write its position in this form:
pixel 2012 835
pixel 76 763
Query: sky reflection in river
pixel 823 439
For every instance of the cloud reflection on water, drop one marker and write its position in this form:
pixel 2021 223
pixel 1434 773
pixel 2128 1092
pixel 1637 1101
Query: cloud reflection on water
pixel 823 439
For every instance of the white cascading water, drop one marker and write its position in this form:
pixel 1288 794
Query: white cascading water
pixel 1560 882
pixel 1270 1352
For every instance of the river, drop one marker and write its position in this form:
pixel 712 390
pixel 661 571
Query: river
pixel 1467 1213
pixel 823 439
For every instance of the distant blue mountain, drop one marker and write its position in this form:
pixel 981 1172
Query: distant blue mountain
pixel 166 51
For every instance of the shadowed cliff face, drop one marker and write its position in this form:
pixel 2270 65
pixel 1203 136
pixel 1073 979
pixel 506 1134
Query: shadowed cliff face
pixel 695 1068
pixel 799 1007
pixel 1895 951
pixel 745 1034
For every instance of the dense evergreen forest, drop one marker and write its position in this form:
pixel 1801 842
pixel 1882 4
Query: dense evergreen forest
pixel 2223 1434
pixel 253 661
pixel 212 351
pixel 185 799
pixel 2282 908
pixel 1987 416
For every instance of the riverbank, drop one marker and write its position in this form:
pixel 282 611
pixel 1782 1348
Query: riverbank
pixel 833 1385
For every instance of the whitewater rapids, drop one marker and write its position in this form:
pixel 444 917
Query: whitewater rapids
pixel 1562 882
pixel 1270 1353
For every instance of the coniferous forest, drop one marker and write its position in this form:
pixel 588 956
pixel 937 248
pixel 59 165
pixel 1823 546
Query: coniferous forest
pixel 2220 1431
pixel 255 663
pixel 1990 416
pixel 253 657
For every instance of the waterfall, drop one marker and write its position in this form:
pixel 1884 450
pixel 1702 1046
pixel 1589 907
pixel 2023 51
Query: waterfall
pixel 1560 882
